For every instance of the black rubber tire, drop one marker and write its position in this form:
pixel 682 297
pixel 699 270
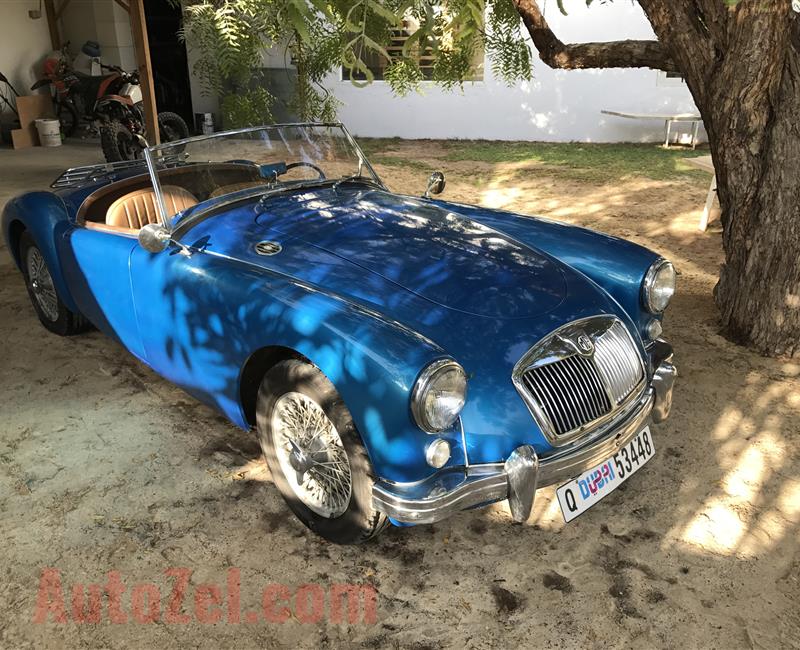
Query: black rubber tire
pixel 361 521
pixel 68 322
pixel 112 136
pixel 69 118
pixel 171 127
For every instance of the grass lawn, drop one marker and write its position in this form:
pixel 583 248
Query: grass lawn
pixel 588 163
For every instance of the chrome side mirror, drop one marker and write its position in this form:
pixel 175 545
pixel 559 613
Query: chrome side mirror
pixel 436 185
pixel 154 238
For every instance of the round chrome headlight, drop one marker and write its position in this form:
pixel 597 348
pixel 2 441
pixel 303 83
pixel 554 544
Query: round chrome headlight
pixel 439 395
pixel 658 286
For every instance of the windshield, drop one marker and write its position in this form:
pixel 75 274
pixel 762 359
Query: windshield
pixel 250 162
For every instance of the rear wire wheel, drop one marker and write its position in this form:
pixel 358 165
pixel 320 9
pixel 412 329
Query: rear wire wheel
pixel 47 304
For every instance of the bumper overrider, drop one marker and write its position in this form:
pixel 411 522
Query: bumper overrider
pixel 451 490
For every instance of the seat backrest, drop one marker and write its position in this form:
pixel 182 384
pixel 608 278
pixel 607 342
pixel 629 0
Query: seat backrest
pixel 137 209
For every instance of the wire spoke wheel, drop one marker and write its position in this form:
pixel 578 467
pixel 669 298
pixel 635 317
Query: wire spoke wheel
pixel 311 454
pixel 42 284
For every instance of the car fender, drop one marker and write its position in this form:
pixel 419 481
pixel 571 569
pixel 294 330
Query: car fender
pixel 46 217
pixel 373 363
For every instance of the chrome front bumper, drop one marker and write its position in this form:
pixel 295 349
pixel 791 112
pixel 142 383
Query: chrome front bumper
pixel 454 489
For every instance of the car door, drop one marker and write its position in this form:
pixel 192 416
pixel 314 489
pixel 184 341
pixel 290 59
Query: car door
pixel 97 268
pixel 188 327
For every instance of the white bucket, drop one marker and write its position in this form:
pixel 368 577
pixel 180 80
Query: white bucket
pixel 208 123
pixel 49 132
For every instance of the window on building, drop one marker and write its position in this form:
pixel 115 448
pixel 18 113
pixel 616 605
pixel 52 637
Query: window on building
pixel 377 63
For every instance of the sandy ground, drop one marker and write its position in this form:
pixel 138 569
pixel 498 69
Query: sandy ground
pixel 105 467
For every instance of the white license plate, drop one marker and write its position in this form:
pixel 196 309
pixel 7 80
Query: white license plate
pixel 583 492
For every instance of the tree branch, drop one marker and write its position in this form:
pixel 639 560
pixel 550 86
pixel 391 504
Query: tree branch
pixel 611 54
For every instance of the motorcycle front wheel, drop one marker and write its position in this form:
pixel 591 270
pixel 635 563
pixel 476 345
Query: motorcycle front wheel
pixel 68 118
pixel 118 142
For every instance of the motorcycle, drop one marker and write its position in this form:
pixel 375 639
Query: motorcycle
pixel 112 102
pixel 121 120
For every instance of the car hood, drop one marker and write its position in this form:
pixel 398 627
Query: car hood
pixel 426 249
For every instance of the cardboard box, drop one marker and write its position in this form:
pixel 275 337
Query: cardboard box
pixel 30 109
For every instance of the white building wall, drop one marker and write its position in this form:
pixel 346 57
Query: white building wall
pixel 24 43
pixel 557 105
pixel 104 22
pixel 203 100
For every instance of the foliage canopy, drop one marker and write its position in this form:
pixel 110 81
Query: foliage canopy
pixel 319 37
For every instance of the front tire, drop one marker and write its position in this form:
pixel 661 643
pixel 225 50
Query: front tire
pixel 118 142
pixel 315 455
pixel 68 118
pixel 52 312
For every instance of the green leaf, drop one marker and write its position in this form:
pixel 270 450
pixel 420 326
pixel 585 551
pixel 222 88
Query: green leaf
pixel 349 23
pixel 391 17
pixel 376 47
pixel 298 22
pixel 411 41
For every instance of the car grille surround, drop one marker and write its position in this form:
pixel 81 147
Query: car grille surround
pixel 579 377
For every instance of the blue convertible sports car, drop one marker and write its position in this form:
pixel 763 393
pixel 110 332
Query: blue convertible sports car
pixel 401 358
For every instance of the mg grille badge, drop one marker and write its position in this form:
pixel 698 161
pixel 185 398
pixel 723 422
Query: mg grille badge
pixel 585 345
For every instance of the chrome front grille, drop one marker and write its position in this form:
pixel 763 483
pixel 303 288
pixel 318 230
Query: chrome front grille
pixel 618 361
pixel 579 376
pixel 570 392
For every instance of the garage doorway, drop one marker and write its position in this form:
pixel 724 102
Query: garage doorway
pixel 169 59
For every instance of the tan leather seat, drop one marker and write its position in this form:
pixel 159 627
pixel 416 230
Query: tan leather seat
pixel 137 209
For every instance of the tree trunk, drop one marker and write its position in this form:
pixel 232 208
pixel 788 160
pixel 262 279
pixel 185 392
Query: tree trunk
pixel 749 97
pixel 741 61
pixel 758 293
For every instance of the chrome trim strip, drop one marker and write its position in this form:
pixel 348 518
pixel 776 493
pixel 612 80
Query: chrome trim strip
pixel 454 489
pixel 151 168
pixel 463 442
pixel 361 155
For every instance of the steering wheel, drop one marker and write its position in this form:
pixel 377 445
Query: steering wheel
pixel 303 163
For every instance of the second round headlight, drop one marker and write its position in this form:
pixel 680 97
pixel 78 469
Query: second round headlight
pixel 658 286
pixel 439 395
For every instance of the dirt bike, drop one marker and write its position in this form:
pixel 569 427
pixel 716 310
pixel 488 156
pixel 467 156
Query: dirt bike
pixel 122 124
pixel 112 102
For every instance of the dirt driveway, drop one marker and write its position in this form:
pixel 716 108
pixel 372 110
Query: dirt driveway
pixel 105 468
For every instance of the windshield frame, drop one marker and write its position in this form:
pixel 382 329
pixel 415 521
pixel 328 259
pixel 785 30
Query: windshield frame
pixel 153 166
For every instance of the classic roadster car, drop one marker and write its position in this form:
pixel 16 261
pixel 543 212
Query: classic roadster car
pixel 401 358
